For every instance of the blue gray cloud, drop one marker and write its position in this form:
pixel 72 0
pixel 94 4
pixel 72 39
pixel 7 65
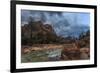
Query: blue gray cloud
pixel 64 23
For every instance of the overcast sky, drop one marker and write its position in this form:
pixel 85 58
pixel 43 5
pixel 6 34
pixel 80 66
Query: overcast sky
pixel 64 23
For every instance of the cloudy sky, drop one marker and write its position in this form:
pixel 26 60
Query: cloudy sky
pixel 64 23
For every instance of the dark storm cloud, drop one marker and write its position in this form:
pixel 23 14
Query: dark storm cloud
pixel 64 23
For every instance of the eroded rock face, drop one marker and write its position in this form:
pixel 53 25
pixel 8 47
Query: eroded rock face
pixel 71 52
pixel 84 56
pixel 25 49
pixel 84 53
pixel 37 32
pixel 74 53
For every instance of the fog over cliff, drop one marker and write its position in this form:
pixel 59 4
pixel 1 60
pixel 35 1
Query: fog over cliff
pixel 64 23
